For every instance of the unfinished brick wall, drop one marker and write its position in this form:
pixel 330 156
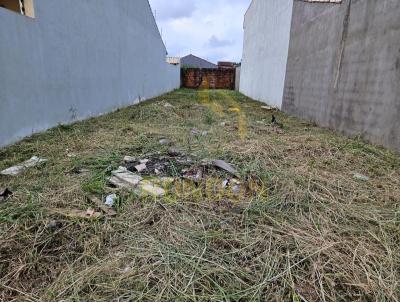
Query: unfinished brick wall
pixel 197 78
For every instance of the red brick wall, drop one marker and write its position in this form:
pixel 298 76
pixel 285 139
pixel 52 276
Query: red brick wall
pixel 208 78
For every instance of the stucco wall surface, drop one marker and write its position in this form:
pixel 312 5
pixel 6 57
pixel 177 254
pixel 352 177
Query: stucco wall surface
pixel 75 60
pixel 343 69
pixel 266 44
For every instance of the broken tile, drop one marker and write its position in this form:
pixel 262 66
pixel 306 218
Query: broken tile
pixel 15 170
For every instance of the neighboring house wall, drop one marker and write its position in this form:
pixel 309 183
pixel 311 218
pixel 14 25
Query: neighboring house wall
pixel 266 43
pixel 77 59
pixel 343 68
pixel 237 80
pixel 208 78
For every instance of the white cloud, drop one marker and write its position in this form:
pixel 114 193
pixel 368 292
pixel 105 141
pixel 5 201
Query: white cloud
pixel 212 29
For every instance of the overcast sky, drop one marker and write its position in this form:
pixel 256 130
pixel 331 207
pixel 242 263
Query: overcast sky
pixel 211 29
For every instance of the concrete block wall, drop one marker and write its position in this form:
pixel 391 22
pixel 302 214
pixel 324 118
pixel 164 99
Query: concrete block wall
pixel 343 69
pixel 77 59
pixel 266 45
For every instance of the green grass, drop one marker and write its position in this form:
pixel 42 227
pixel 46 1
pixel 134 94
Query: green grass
pixel 305 229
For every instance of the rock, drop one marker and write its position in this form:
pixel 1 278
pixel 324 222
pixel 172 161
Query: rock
pixel 15 170
pixel 168 105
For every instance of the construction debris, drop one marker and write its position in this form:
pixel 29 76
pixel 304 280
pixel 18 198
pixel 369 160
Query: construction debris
pixel 268 108
pixel 15 170
pixel 5 194
pixel 104 206
pixel 168 105
pixel 122 178
pixel 130 159
pixel 141 167
pixel 225 166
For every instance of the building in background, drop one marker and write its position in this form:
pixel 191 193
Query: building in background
pixel 191 61
pixel 63 61
pixel 265 51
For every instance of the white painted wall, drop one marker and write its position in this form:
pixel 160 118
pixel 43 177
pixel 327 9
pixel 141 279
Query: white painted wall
pixel 77 59
pixel 266 44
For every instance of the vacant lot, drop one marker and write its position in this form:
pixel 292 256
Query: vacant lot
pixel 301 226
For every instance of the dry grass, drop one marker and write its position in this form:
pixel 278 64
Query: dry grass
pixel 309 232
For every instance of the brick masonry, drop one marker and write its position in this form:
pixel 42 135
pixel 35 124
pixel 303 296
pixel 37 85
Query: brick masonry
pixel 196 78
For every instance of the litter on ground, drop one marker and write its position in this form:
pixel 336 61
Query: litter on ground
pixel 15 170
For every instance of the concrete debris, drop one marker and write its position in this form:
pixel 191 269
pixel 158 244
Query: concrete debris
pixel 129 159
pixel 168 105
pixel 144 161
pixel 5 194
pixel 268 108
pixel 361 177
pixel 71 155
pixel 225 166
pixel 122 178
pixel 73 213
pixel 15 170
pixel 141 167
pixel 223 124
pixel 104 206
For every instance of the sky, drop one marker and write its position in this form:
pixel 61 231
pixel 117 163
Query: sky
pixel 211 29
